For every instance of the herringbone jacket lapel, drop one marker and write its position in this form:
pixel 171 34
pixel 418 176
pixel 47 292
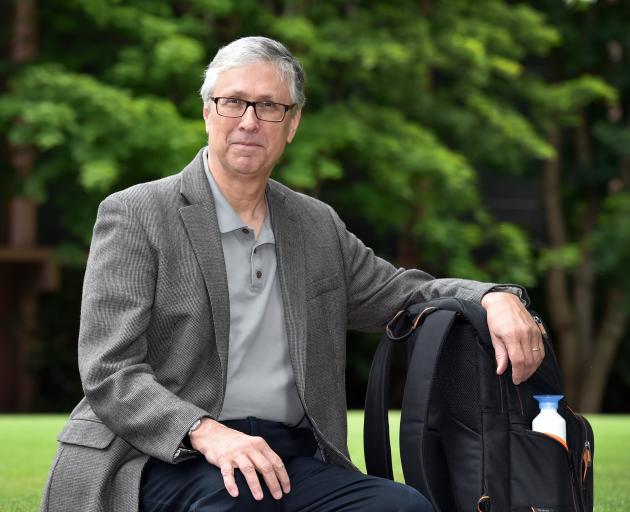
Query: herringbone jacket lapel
pixel 291 274
pixel 202 228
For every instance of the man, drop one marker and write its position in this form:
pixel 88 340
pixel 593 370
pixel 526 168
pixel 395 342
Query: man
pixel 213 324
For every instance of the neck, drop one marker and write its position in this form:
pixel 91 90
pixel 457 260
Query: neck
pixel 245 194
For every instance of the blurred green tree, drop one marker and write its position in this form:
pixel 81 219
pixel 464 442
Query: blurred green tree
pixel 398 95
pixel 586 190
pixel 406 100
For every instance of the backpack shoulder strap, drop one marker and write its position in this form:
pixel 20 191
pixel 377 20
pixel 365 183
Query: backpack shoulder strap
pixel 422 365
pixel 418 388
pixel 376 447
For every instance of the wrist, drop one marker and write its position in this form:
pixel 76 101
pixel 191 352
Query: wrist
pixel 186 442
pixel 513 289
pixel 493 296
pixel 200 430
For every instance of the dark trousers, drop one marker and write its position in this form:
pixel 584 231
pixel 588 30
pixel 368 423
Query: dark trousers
pixel 197 486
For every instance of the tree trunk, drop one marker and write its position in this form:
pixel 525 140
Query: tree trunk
pixel 610 334
pixel 406 249
pixel 557 286
pixel 409 253
pixel 22 226
pixel 22 229
pixel 584 274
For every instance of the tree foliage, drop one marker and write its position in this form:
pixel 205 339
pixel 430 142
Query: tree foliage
pixel 406 102
pixel 584 113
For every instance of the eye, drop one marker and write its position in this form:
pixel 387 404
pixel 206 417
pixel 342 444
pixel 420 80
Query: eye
pixel 268 105
pixel 232 101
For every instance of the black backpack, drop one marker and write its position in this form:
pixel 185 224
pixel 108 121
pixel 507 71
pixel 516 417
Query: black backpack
pixel 465 436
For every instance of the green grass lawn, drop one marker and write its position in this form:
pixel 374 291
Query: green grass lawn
pixel 27 445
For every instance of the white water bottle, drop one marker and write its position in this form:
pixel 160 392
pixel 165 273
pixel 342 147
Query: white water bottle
pixel 548 420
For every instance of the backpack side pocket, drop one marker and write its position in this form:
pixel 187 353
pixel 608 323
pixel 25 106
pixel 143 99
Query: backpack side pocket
pixel 540 473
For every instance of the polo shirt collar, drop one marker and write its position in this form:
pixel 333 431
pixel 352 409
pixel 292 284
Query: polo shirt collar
pixel 266 233
pixel 227 218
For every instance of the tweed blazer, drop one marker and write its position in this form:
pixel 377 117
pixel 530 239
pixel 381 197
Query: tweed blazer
pixel 153 341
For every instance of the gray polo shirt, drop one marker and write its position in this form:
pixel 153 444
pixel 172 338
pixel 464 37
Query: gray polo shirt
pixel 260 377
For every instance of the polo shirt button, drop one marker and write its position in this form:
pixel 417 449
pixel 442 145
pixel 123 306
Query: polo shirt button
pixel 258 274
pixel 246 231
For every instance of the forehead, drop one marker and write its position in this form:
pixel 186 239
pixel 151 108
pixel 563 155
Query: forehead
pixel 253 81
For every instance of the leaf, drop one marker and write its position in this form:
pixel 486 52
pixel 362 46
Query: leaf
pixel 98 175
pixel 566 257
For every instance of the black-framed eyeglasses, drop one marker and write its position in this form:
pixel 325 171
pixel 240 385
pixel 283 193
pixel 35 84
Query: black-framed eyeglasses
pixel 265 110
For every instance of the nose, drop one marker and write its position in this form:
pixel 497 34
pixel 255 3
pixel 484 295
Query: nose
pixel 249 121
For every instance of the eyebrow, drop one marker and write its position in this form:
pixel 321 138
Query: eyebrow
pixel 236 93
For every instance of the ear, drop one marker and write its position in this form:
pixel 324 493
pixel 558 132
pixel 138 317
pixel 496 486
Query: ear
pixel 293 125
pixel 206 117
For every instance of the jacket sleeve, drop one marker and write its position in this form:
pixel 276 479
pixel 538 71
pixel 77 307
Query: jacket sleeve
pixel 118 293
pixel 376 289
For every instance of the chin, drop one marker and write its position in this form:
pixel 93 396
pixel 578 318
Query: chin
pixel 248 171
pixel 246 166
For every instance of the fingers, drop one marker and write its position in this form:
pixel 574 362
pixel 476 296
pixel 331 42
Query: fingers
pixel 501 355
pixel 540 354
pixel 268 472
pixel 279 469
pixel 526 351
pixel 521 359
pixel 250 470
pixel 245 464
pixel 250 465
pixel 515 336
pixel 231 450
pixel 227 471
pixel 537 350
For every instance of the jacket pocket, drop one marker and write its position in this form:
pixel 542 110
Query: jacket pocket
pixel 541 475
pixel 93 434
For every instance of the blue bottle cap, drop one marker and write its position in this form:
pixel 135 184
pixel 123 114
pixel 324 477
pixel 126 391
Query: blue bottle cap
pixel 548 401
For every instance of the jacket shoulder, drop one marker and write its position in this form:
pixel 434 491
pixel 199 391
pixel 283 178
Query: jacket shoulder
pixel 157 195
pixel 303 204
pixel 169 185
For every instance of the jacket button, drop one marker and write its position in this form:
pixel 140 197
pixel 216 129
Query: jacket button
pixel 258 274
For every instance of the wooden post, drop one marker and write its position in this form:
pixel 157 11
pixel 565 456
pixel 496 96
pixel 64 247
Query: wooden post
pixel 26 270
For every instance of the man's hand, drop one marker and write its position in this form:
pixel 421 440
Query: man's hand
pixel 229 449
pixel 515 336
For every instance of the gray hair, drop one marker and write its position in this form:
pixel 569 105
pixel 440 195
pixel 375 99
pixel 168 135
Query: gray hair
pixel 249 50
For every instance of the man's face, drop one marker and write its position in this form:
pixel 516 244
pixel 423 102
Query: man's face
pixel 247 146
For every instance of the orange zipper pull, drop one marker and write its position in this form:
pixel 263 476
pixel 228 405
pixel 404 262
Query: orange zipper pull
pixel 587 459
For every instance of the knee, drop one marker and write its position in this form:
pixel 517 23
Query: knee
pixel 404 498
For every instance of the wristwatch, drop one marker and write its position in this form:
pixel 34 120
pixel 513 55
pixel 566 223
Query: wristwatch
pixel 194 427
pixel 186 441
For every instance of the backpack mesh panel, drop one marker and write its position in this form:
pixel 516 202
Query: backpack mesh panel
pixel 457 381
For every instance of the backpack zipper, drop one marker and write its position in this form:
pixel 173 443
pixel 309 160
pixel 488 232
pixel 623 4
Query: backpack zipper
pixel 587 457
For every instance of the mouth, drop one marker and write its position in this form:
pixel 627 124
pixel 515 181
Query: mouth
pixel 247 144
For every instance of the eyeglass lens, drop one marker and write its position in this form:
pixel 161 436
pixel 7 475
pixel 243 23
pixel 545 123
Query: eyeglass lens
pixel 264 110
